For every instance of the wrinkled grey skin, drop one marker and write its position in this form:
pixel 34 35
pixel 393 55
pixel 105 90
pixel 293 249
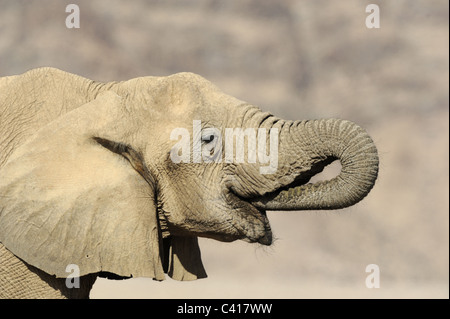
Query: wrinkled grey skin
pixel 86 177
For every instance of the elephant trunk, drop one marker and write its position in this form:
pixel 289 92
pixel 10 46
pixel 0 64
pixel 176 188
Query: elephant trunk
pixel 325 141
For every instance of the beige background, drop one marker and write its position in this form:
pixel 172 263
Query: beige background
pixel 299 60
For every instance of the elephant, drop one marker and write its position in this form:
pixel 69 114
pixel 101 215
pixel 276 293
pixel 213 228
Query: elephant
pixel 89 177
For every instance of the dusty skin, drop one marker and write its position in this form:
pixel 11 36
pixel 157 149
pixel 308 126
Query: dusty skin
pixel 86 178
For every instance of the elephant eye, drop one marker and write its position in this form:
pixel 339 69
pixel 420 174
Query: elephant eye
pixel 208 138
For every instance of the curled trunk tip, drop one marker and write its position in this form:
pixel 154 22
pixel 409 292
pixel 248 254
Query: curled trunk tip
pixel 337 139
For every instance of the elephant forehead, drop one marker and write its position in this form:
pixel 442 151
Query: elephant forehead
pixel 190 90
pixel 189 80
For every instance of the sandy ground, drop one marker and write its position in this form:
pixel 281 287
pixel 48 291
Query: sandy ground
pixel 224 289
pixel 297 59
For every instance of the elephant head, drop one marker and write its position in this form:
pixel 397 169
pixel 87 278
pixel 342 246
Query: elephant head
pixel 128 174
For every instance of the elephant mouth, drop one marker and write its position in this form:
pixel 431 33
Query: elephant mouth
pixel 251 224
pixel 257 227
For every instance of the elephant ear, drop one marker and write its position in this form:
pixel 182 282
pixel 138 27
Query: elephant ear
pixel 69 196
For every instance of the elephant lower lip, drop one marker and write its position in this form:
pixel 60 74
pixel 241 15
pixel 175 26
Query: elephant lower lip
pixel 263 234
pixel 266 239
